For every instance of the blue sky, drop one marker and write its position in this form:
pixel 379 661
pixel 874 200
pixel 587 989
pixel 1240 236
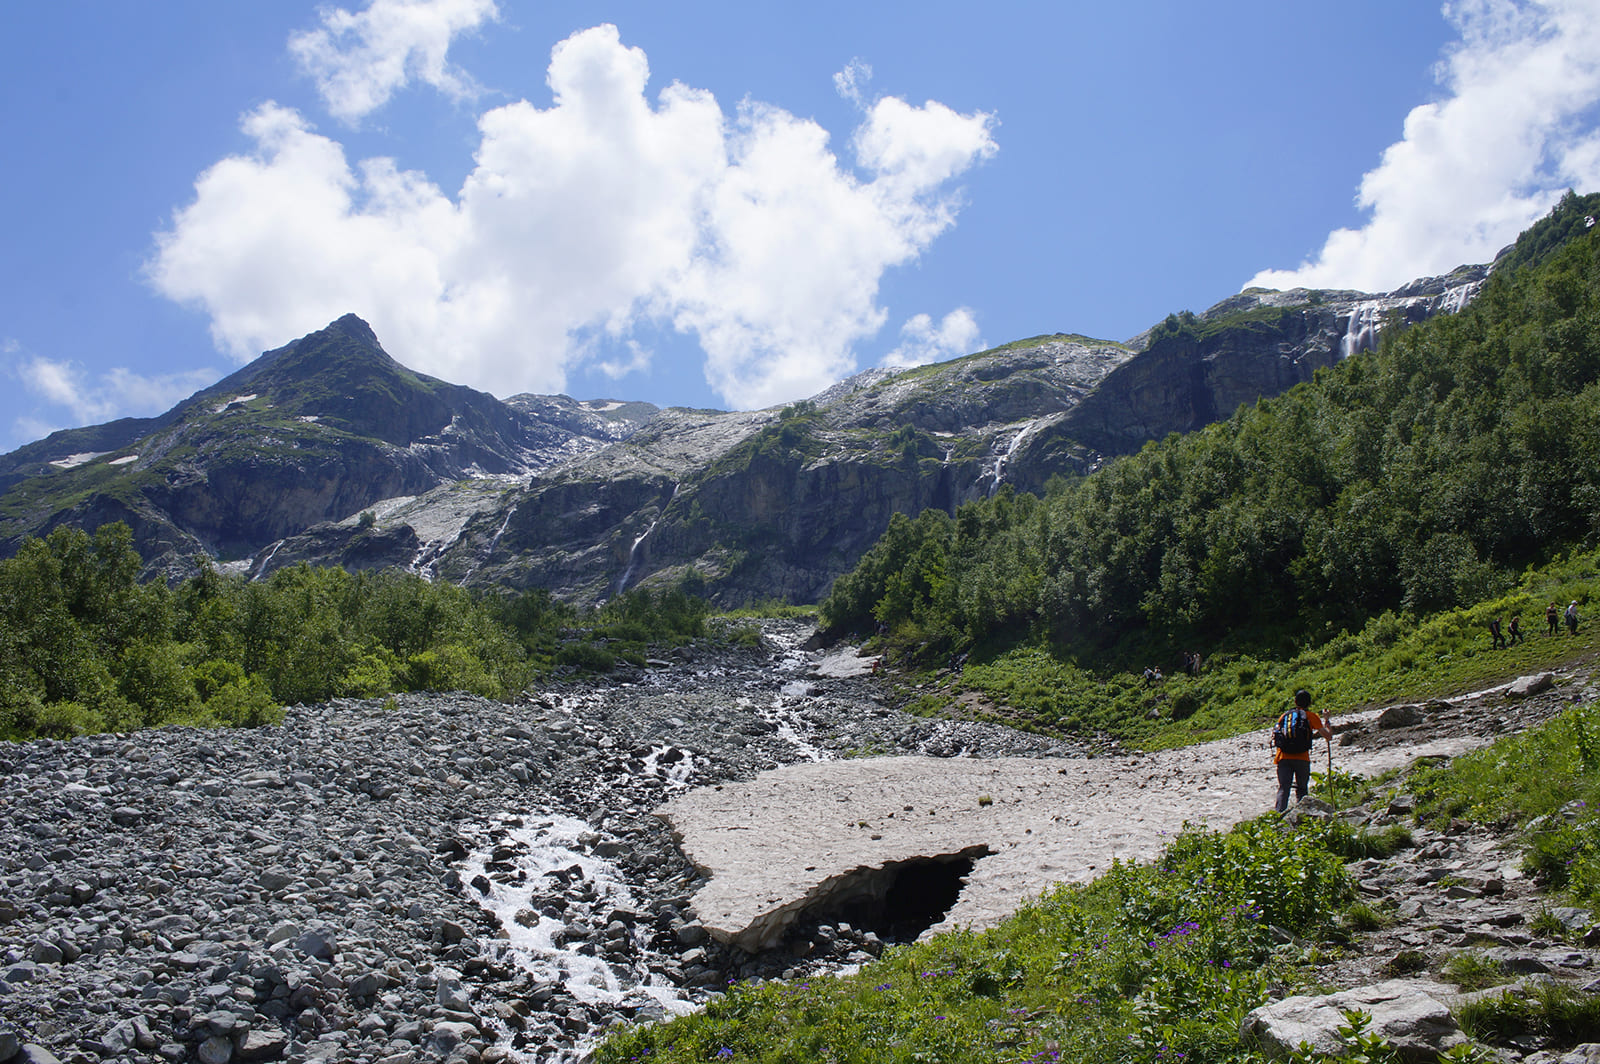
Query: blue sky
pixel 732 205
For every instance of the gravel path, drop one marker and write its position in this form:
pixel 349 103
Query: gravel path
pixel 417 878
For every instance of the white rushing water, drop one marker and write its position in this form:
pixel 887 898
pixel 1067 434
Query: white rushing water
pixel 1361 334
pixel 556 849
pixel 633 552
pixel 526 858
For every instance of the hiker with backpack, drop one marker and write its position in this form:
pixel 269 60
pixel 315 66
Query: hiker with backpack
pixel 1292 738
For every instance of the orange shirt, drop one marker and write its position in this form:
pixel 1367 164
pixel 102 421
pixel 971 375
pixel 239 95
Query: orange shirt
pixel 1317 728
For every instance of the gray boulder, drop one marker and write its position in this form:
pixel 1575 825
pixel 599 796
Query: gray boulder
pixel 1408 1014
pixel 1588 1053
pixel 1524 686
pixel 1400 717
pixel 33 1054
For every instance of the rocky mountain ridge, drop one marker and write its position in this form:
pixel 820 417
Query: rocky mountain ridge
pixel 328 451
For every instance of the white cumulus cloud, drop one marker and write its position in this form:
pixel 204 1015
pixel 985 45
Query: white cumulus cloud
pixel 1477 166
pixel 922 341
pixel 580 222
pixel 90 399
pixel 361 59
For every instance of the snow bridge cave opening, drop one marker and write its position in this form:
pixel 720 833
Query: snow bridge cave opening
pixel 898 900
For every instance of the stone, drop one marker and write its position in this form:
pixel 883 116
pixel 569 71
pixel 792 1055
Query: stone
pixel 36 1054
pixel 446 1036
pixel 128 1035
pixel 1523 686
pixel 216 1050
pixel 1405 716
pixel 262 1044
pixel 1309 808
pixel 1587 1053
pixel 317 943
pixel 10 1044
pixel 1409 1015
pixel 452 995
pixel 1571 918
pixel 283 933
pixel 365 985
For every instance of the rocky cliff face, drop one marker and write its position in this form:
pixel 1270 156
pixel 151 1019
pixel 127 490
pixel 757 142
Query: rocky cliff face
pixel 1192 371
pixel 775 504
pixel 283 461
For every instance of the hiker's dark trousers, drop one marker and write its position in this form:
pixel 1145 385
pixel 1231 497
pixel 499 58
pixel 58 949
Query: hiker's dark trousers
pixel 1292 773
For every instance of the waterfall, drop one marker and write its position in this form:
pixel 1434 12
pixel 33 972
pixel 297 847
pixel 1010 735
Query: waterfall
pixel 261 570
pixel 633 552
pixel 1458 297
pixel 1361 334
pixel 494 541
pixel 997 471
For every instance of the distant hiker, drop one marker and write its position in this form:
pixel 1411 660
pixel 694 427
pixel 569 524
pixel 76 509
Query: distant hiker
pixel 1550 615
pixel 1515 628
pixel 1497 640
pixel 1572 616
pixel 1292 737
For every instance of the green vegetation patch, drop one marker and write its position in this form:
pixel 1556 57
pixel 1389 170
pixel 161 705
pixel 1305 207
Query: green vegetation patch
pixel 1545 782
pixel 84 647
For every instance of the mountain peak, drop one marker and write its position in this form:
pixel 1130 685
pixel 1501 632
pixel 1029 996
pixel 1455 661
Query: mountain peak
pixel 355 328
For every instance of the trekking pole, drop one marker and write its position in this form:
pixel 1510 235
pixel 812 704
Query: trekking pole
pixel 1329 740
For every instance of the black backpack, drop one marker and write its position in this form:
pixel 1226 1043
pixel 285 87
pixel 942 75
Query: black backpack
pixel 1292 733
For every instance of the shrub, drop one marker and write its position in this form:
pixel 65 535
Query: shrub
pixel 1548 1011
pixel 1405 962
pixel 1362 917
pixel 244 703
pixel 450 668
pixel 1473 971
pixel 584 656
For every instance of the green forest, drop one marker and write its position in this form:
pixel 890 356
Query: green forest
pixel 1433 474
pixel 85 647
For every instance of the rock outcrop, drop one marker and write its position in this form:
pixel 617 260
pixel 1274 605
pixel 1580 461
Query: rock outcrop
pixel 1191 372
pixel 1410 1015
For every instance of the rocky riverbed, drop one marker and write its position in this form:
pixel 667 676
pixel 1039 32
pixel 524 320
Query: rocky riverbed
pixel 438 876
pixel 405 878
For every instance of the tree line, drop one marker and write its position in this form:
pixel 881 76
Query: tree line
pixel 85 647
pixel 1423 475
